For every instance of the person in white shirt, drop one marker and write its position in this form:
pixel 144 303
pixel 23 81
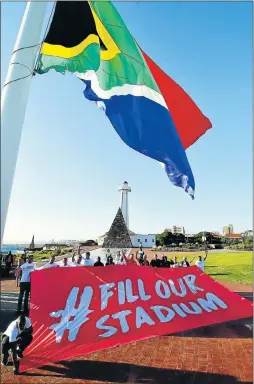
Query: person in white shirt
pixel 16 338
pixel 88 262
pixel 51 264
pixel 122 260
pixel 201 262
pixel 25 283
pixel 66 264
pixel 176 264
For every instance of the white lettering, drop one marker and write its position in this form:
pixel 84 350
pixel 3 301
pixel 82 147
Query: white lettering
pixel 196 310
pixel 142 317
pixel 121 293
pixel 159 284
pixel 129 293
pixel 100 325
pixel 163 318
pixel 80 314
pixel 141 290
pixel 209 304
pixel 106 294
pixel 178 310
pixel 122 318
pixel 190 281
pixel 182 287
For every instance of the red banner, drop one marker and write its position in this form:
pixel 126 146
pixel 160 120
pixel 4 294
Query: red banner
pixel 75 311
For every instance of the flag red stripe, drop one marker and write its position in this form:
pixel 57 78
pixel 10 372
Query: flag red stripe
pixel 190 122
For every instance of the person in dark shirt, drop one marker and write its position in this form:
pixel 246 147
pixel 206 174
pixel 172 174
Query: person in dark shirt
pixel 155 262
pixel 185 263
pixel 164 262
pixel 110 261
pixel 98 263
pixel 142 261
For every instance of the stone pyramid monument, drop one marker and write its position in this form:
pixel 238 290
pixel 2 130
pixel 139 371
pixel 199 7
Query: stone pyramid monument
pixel 118 235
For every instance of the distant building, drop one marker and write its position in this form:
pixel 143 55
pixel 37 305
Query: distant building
pixel 248 233
pixel 234 236
pixel 228 229
pixel 54 246
pixel 147 241
pixel 176 230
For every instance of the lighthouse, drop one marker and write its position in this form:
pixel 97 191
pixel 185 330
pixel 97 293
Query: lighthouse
pixel 124 190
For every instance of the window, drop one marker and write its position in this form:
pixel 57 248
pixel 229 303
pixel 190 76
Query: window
pixel 153 240
pixel 138 240
pixel 145 240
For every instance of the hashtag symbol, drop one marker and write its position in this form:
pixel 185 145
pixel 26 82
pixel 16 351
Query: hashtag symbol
pixel 70 311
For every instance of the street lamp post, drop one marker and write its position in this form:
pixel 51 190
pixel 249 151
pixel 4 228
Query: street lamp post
pixel 204 242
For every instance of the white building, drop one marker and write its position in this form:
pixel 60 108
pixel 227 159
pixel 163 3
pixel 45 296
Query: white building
pixel 175 230
pixel 147 241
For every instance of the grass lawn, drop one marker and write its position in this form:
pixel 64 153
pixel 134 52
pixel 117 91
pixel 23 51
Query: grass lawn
pixel 234 267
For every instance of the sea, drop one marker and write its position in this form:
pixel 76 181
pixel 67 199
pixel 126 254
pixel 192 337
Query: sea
pixel 13 249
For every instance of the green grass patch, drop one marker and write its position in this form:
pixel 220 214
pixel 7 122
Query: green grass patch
pixel 235 267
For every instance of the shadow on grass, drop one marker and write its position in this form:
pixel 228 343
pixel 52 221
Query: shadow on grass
pixel 128 373
pixel 218 274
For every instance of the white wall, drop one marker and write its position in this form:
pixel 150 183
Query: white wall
pixel 148 241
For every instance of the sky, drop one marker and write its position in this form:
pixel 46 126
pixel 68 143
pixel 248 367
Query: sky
pixel 71 161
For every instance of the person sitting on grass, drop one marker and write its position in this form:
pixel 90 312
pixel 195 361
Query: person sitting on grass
pixel 16 338
pixel 98 263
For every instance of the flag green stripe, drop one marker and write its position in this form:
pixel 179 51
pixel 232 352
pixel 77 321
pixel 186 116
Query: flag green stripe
pixel 127 67
pixel 115 72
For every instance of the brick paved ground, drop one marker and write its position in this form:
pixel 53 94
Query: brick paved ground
pixel 160 360
pixel 220 354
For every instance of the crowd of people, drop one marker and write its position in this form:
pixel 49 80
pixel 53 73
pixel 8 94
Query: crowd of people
pixel 18 335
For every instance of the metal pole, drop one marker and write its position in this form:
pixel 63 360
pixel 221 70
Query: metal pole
pixel 15 97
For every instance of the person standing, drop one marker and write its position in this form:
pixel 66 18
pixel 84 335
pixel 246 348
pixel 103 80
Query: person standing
pixel 176 264
pixel 143 262
pixel 164 262
pixel 51 264
pixel 130 260
pixel 21 261
pixel 65 263
pixel 110 261
pixel 98 263
pixel 8 262
pixel 25 284
pixel 201 262
pixel 155 262
pixel 16 338
pixel 88 262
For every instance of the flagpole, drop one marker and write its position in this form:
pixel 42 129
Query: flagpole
pixel 15 97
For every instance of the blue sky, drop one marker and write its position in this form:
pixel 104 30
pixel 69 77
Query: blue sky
pixel 71 161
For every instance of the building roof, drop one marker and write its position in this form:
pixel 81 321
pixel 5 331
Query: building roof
pixel 233 235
